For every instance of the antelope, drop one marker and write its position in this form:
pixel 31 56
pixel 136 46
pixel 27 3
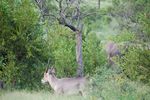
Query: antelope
pixel 64 85
pixel 112 50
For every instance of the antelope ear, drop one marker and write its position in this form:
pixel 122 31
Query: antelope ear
pixel 52 70
pixel 49 70
pixel 46 70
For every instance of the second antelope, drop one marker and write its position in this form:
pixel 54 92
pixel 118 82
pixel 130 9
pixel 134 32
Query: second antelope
pixel 64 85
pixel 112 50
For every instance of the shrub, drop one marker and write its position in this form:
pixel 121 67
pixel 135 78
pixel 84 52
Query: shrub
pixel 113 84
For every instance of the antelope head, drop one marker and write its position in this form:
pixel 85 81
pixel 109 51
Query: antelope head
pixel 49 72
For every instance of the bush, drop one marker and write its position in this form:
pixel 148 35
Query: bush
pixel 113 84
pixel 135 58
pixel 23 50
pixel 136 63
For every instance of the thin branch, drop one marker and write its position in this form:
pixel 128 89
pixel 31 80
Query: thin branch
pixel 60 6
pixel 88 14
pixel 54 16
pixel 38 4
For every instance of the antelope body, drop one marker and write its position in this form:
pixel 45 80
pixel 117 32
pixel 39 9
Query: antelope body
pixel 112 50
pixel 64 85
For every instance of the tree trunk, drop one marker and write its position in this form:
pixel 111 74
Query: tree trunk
pixel 79 53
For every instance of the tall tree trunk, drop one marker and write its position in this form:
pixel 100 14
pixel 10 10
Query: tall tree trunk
pixel 79 53
pixel 77 16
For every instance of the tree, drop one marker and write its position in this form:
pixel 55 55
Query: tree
pixel 69 14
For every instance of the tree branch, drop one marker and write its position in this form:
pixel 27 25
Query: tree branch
pixel 50 15
pixel 88 14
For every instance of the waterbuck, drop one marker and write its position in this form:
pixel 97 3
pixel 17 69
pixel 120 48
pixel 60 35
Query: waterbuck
pixel 64 85
pixel 111 51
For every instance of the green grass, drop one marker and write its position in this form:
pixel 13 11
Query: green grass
pixel 41 95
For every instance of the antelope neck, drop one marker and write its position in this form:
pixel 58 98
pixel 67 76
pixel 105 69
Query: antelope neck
pixel 52 80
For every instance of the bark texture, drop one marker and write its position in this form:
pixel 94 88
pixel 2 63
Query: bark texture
pixel 79 54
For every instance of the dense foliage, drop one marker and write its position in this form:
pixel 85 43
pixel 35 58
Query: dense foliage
pixel 22 44
pixel 110 84
pixel 133 18
pixel 28 43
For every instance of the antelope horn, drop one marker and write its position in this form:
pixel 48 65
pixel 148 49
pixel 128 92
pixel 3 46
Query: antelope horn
pixel 46 70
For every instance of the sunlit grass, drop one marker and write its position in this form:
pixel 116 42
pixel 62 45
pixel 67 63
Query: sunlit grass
pixel 26 95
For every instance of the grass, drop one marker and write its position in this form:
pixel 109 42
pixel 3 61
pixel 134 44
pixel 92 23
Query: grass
pixel 26 95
